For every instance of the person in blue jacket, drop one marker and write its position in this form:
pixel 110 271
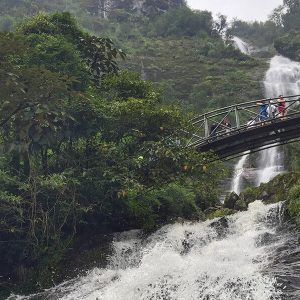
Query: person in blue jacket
pixel 263 110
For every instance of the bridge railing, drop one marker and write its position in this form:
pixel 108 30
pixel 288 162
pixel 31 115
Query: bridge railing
pixel 239 117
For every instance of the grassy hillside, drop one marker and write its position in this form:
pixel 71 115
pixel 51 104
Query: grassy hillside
pixel 200 73
pixel 182 51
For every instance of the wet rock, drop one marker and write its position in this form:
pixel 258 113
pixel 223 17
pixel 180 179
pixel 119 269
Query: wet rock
pixel 230 200
pixel 220 226
pixel 187 243
pixel 264 239
pixel 264 196
pixel 240 205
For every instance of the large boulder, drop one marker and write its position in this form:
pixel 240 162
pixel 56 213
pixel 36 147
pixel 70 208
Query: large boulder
pixel 230 200
pixel 221 227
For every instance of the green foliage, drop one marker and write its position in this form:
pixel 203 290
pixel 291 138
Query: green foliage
pixel 250 194
pixel 183 22
pixel 291 154
pixel 82 157
pixel 289 45
pixel 178 49
pixel 59 56
pixel 98 53
pixel 202 73
pixel 260 34
pixel 128 85
pixel 7 23
pixel 287 17
pixel 294 203
pixel 273 191
pixel 290 18
pixel 221 213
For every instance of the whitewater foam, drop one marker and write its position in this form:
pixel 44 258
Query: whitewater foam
pixel 216 260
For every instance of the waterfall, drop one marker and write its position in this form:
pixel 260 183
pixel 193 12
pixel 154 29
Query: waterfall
pixel 138 6
pixel 236 184
pixel 242 46
pixel 104 7
pixel 283 77
pixel 143 71
pixel 229 258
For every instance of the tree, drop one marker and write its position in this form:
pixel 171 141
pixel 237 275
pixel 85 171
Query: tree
pixel 287 15
pixel 99 53
pixel 184 22
pixel 277 16
pixel 221 25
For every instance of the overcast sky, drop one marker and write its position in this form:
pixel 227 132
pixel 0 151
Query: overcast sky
pixel 247 10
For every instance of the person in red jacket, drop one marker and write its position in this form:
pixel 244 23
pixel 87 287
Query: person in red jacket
pixel 281 105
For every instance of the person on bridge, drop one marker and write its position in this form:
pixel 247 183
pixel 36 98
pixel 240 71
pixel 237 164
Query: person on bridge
pixel 272 110
pixel 281 106
pixel 263 114
pixel 226 125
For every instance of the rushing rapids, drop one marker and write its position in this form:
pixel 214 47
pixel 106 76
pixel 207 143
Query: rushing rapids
pixel 233 258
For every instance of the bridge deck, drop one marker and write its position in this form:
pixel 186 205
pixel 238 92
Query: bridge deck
pixel 276 132
pixel 234 141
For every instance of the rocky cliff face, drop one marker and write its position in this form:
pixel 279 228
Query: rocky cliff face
pixel 147 8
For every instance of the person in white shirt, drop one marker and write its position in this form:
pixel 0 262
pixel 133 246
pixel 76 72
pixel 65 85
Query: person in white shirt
pixel 272 110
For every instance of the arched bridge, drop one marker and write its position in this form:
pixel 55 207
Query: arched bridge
pixel 234 130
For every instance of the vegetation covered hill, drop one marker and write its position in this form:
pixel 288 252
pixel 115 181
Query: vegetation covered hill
pixel 85 149
pixel 181 50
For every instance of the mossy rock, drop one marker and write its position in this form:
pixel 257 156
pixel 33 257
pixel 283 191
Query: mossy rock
pixel 294 203
pixel 272 192
pixel 277 189
pixel 240 205
pixel 221 212
pixel 249 195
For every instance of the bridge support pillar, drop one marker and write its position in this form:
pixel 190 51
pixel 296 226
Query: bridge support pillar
pixel 206 126
pixel 237 117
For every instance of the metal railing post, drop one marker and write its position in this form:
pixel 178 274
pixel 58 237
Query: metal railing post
pixel 206 127
pixel 237 117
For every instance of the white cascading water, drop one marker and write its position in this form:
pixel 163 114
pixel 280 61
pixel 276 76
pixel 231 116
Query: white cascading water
pixel 236 184
pixel 282 78
pixel 241 45
pixel 143 71
pixel 138 6
pixel 224 259
pixel 104 7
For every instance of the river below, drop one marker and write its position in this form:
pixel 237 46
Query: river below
pixel 252 255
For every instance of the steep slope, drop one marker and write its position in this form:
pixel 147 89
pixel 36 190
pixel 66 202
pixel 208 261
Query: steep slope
pixel 179 49
pixel 197 72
